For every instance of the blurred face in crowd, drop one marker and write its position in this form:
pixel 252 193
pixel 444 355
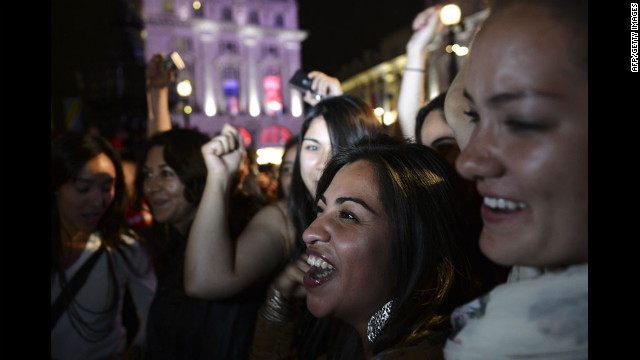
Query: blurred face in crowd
pixel 436 134
pixel 286 169
pixel 455 106
pixel 129 172
pixel 83 201
pixel 528 151
pixel 165 191
pixel 315 152
pixel 349 246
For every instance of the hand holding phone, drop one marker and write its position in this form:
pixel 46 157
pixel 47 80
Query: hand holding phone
pixel 301 81
pixel 160 71
pixel 315 85
pixel 172 62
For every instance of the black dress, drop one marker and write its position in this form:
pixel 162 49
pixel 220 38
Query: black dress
pixel 181 327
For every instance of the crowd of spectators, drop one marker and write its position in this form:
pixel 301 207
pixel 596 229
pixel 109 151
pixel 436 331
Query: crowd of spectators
pixel 466 237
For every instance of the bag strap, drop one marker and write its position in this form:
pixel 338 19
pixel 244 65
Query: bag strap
pixel 59 306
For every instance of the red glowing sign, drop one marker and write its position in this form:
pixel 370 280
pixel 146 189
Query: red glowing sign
pixel 247 140
pixel 272 97
pixel 274 136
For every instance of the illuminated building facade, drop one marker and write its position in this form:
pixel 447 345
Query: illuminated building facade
pixel 239 56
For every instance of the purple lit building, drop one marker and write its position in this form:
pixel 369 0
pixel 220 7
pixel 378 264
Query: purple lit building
pixel 239 56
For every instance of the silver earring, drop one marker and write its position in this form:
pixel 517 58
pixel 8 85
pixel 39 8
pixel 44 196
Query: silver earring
pixel 378 320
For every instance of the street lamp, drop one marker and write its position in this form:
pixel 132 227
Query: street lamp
pixel 450 16
pixel 184 89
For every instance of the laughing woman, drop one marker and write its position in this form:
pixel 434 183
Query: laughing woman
pixel 528 154
pixel 390 254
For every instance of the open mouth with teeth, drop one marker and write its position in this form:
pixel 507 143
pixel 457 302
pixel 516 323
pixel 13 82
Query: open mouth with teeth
pixel 320 272
pixel 503 205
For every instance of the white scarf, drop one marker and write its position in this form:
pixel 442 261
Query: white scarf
pixel 544 317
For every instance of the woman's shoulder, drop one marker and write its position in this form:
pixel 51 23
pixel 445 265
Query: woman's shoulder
pixel 275 214
pixel 130 238
pixel 133 240
pixel 274 220
pixel 132 246
pixel 282 207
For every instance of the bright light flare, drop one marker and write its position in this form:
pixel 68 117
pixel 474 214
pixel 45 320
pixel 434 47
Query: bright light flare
pixel 184 88
pixel 389 117
pixel 210 107
pixel 268 155
pixel 450 14
pixel 462 51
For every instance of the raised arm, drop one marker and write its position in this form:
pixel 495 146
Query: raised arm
pixel 411 97
pixel 158 80
pixel 216 266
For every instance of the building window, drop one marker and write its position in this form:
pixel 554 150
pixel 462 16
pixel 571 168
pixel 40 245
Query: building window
pixel 228 47
pixel 231 89
pixel 279 20
pixel 271 51
pixel 167 6
pixel 254 17
pixel 227 14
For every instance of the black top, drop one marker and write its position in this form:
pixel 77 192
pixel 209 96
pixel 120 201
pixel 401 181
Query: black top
pixel 181 327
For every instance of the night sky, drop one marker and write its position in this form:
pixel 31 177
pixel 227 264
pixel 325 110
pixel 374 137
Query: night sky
pixel 340 30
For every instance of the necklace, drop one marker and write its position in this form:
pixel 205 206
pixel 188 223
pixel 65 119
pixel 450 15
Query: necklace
pixel 73 245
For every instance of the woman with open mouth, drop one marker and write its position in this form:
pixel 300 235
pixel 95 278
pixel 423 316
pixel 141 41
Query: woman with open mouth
pixel 390 254
pixel 217 267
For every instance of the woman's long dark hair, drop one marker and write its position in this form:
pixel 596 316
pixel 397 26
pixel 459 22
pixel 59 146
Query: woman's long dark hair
pixel 69 154
pixel 348 119
pixel 434 244
pixel 435 104
pixel 182 152
pixel 293 141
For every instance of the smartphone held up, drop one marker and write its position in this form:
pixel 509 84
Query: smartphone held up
pixel 301 81
pixel 172 61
